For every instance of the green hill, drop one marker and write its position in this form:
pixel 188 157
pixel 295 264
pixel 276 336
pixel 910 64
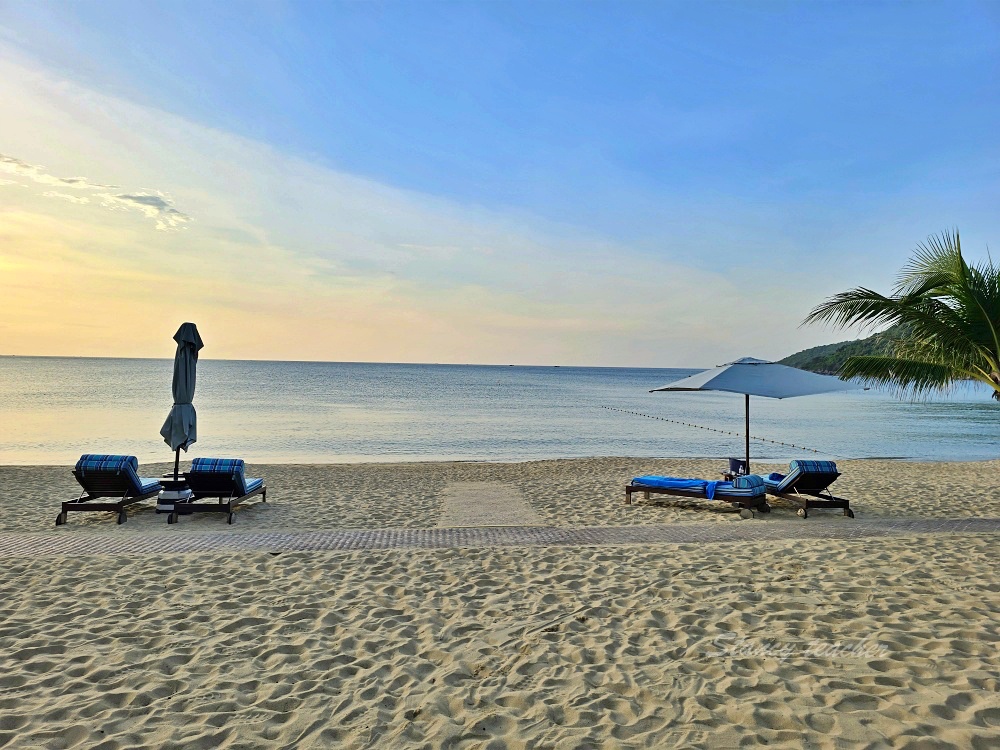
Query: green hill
pixel 830 358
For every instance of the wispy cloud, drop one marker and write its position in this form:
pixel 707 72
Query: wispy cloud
pixel 36 173
pixel 156 207
pixel 78 199
pixel 153 205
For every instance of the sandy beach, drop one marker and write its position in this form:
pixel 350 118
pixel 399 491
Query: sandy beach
pixel 797 643
pixel 448 277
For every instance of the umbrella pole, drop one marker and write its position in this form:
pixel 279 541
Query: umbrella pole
pixel 177 463
pixel 747 397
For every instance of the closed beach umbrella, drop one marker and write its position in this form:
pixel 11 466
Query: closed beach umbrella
pixel 181 427
pixel 757 377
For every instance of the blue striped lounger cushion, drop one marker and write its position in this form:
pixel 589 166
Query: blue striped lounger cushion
pixel 750 485
pixel 105 463
pixel 230 466
pixel 780 482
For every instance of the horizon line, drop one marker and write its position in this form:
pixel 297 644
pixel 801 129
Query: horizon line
pixel 355 362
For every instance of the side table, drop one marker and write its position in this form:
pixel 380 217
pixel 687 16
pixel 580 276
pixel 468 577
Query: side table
pixel 173 490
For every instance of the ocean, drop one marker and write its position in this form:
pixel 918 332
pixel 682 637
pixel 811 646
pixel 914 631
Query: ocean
pixel 52 409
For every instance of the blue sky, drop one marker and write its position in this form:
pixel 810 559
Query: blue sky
pixel 730 138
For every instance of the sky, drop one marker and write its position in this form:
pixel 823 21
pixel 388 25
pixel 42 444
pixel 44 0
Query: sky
pixel 576 183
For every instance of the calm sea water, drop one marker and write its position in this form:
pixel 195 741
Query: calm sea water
pixel 54 409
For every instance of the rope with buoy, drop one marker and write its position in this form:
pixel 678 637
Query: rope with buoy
pixel 712 429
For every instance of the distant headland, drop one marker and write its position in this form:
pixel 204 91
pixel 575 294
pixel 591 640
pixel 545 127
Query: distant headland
pixel 830 358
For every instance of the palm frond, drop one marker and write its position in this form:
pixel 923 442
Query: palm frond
pixel 936 323
pixel 932 318
pixel 981 296
pixel 936 263
pixel 905 376
pixel 947 310
pixel 857 306
pixel 967 364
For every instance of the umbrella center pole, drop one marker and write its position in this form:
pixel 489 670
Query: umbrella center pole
pixel 747 397
pixel 177 463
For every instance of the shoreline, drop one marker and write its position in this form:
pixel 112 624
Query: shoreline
pixel 396 460
pixel 559 492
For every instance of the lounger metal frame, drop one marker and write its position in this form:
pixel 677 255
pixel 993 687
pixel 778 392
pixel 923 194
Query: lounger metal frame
pixel 210 484
pixel 807 491
pixel 747 505
pixel 98 484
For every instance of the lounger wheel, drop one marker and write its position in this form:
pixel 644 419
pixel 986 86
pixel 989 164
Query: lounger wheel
pixel 172 518
pixel 746 513
pixel 848 512
pixel 764 508
pixel 122 517
pixel 61 519
pixel 802 513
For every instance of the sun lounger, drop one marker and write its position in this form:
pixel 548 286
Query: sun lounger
pixel 104 475
pixel 221 478
pixel 807 485
pixel 745 492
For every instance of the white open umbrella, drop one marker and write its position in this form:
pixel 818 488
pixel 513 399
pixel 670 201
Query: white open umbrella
pixel 757 377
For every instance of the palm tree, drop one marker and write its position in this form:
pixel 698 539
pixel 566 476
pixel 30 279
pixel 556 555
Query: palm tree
pixel 948 313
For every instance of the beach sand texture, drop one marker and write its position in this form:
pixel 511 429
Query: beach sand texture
pixel 563 492
pixel 709 645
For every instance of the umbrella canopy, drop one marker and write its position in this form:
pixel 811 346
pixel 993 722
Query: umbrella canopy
pixel 757 377
pixel 181 427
